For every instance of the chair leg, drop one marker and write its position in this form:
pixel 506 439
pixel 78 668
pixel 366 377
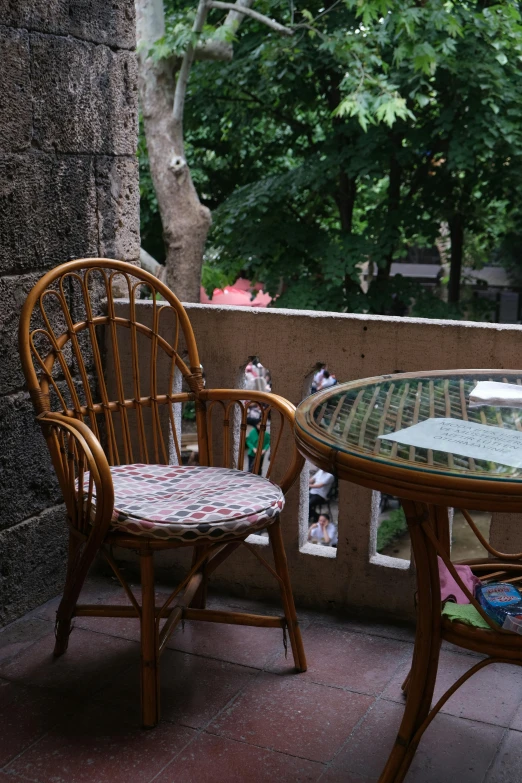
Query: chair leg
pixel 420 683
pixel 406 684
pixel 67 605
pixel 281 567
pixel 150 704
pixel 200 599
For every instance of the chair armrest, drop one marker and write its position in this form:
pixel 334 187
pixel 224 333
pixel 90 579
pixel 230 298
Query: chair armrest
pixel 75 450
pixel 269 402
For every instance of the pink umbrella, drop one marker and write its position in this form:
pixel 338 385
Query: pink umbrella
pixel 237 294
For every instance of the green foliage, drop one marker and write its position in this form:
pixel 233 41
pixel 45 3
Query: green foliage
pixel 179 19
pixel 391 528
pixel 189 411
pixel 351 141
pixel 213 276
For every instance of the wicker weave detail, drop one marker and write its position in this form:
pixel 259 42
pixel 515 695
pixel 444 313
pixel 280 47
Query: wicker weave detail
pixel 40 400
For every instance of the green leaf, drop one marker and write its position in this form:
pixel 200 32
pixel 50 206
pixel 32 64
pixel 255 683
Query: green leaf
pixel 295 145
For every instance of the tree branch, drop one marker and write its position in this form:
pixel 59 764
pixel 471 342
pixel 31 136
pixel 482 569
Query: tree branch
pixel 151 265
pixel 223 50
pixel 217 51
pixel 186 65
pixel 150 21
pixel 234 16
pixel 214 50
pixel 279 28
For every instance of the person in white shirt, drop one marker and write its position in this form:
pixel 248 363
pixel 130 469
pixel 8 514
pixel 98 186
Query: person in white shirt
pixel 320 485
pixel 318 377
pixel 323 532
pixel 326 381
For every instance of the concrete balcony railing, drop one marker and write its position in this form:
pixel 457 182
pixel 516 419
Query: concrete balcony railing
pixel 290 343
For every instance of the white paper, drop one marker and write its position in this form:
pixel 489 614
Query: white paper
pixel 495 393
pixel 493 444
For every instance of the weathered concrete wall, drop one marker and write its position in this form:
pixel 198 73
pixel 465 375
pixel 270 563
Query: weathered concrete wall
pixel 290 342
pixel 68 188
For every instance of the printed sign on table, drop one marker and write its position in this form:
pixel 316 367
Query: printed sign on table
pixel 493 444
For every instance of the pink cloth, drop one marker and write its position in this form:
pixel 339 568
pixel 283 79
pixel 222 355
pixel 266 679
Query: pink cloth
pixel 449 587
pixel 237 294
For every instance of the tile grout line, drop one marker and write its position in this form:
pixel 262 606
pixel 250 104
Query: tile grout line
pixel 182 652
pixel 8 661
pixel 19 777
pixel 457 717
pixel 496 754
pixel 4 768
pixel 362 719
pixel 380 697
pixel 203 728
pixel 265 747
pixel 72 712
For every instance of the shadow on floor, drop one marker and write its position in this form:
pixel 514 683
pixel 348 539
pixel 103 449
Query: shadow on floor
pixel 233 709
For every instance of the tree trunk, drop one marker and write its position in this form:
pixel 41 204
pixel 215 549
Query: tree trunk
pixel 185 220
pixel 394 204
pixel 345 199
pixel 456 227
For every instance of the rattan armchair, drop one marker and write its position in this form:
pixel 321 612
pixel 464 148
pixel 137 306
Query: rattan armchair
pixel 109 409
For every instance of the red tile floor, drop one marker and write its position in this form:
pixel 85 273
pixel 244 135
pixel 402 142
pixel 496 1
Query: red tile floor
pixel 234 710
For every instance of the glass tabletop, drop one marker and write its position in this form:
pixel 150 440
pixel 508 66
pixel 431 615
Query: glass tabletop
pixel 350 417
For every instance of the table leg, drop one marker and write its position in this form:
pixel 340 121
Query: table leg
pixel 421 679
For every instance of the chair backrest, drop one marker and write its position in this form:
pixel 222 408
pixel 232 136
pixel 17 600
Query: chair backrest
pixel 69 332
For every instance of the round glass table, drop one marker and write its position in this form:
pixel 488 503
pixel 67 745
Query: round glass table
pixel 350 430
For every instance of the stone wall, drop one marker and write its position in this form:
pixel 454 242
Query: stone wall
pixel 68 188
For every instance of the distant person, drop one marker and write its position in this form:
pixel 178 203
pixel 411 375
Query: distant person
pixel 251 376
pixel 319 485
pixel 254 415
pixel 252 444
pixel 318 377
pixel 323 531
pixel 326 381
pixel 256 376
pixel 260 382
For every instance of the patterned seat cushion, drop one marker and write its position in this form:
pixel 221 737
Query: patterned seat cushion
pixel 191 502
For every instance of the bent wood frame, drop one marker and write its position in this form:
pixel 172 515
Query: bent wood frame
pixel 425 497
pixel 64 368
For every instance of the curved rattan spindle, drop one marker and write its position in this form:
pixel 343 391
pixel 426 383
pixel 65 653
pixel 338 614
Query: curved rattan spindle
pixel 118 375
pixel 72 332
pixel 138 407
pixel 58 344
pixel 492 551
